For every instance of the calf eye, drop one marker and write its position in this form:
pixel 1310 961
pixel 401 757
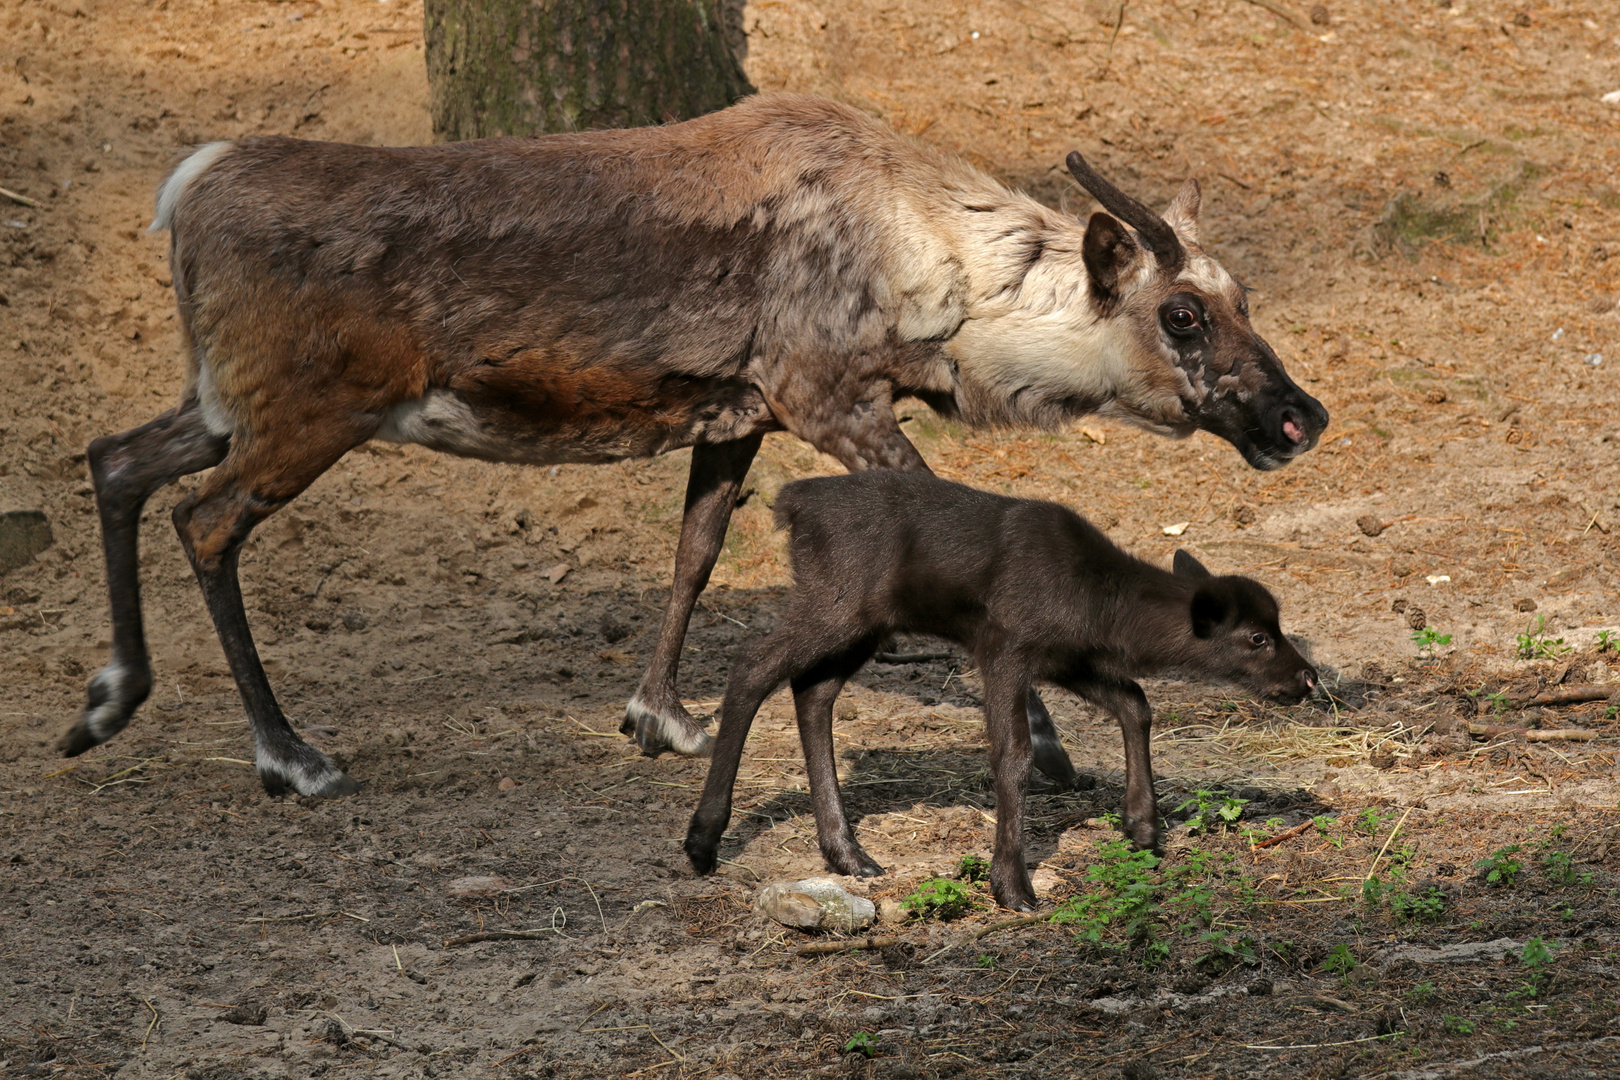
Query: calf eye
pixel 1183 319
pixel 1259 641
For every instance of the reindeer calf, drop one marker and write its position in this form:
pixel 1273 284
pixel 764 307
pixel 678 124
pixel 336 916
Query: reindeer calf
pixel 1035 592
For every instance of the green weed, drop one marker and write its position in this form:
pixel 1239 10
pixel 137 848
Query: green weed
pixel 1606 641
pixel 940 898
pixel 1559 867
pixel 1458 1026
pixel 973 868
pixel 1537 953
pixel 1534 644
pixel 1422 994
pixel 1210 809
pixel 1370 821
pixel 1426 906
pixel 1428 638
pixel 1341 961
pixel 862 1042
pixel 986 960
pixel 1500 867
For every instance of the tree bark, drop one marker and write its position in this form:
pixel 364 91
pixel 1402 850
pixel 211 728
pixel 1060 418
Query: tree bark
pixel 529 67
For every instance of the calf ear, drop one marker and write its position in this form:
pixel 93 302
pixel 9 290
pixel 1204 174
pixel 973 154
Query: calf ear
pixel 1108 250
pixel 1209 611
pixel 1188 567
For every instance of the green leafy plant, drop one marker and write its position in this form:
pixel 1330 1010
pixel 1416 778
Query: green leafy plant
pixel 863 1043
pixel 1372 891
pixel 1341 961
pixel 973 868
pixel 1370 821
pixel 1125 898
pixel 940 898
pixel 1559 866
pixel 1606 641
pixel 986 960
pixel 1225 952
pixel 1537 953
pixel 1426 906
pixel 1422 994
pixel 1210 809
pixel 1534 644
pixel 1428 638
pixel 1458 1026
pixel 1500 867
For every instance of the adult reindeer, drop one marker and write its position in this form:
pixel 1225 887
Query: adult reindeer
pixel 786 264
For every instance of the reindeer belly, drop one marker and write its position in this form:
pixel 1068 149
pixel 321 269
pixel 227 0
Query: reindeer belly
pixel 600 417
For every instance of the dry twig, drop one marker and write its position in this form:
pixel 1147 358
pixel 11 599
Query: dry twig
pixel 829 948
pixel 1534 734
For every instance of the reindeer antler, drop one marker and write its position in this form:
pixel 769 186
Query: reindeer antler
pixel 1156 234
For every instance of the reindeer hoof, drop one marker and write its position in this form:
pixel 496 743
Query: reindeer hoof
pixel 656 732
pixel 702 856
pixel 77 740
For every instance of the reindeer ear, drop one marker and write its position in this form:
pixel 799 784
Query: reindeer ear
pixel 1182 214
pixel 1108 250
pixel 1209 610
pixel 1186 566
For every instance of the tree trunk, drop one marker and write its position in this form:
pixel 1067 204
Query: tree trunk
pixel 528 67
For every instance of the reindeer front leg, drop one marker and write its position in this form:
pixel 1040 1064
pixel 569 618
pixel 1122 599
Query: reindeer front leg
pixel 655 717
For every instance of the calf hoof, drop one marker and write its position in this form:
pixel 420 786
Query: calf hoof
pixel 1144 836
pixel 701 854
pixel 1050 757
pixel 656 732
pixel 855 863
pixel 1019 900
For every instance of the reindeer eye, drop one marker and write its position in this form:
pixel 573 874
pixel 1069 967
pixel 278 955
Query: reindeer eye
pixel 1182 319
pixel 1259 641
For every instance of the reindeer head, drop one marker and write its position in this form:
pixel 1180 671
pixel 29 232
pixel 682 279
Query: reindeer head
pixel 1189 313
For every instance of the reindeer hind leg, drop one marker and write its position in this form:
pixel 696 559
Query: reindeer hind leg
pixel 213 524
pixel 126 469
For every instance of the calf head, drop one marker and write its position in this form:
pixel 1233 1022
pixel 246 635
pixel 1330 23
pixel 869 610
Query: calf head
pixel 1200 362
pixel 1234 623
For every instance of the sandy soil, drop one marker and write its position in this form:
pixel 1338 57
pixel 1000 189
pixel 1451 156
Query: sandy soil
pixel 1424 199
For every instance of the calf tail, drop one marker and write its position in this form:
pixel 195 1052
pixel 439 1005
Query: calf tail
pixel 173 188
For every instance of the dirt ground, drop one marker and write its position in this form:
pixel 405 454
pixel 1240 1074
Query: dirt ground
pixel 1424 197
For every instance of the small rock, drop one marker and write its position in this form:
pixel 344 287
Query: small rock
pixel 1371 525
pixel 1320 15
pixel 1416 619
pixel 815 904
pixel 557 573
pixel 318 624
pixel 1245 515
pixel 249 1013
pixel 1435 397
pixel 1045 881
pixel 1399 605
pixel 477 885
pixel 507 783
pixel 23 534
pixel 1381 759
pixel 846 711
pixel 891 910
pixel 1524 603
pixel 354 621
pixel 1260 988
pixel 1402 567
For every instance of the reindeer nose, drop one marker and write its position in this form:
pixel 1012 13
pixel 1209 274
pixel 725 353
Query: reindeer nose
pixel 1312 682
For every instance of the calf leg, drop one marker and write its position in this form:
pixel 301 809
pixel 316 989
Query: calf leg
pixel 1007 721
pixel 755 675
pixel 1130 706
pixel 814 694
pixel 655 716
pixel 213 523
pixel 126 469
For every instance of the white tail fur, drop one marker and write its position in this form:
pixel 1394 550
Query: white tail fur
pixel 175 184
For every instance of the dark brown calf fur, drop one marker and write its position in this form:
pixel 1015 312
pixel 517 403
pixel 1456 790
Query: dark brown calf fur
pixel 1033 590
pixel 785 264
